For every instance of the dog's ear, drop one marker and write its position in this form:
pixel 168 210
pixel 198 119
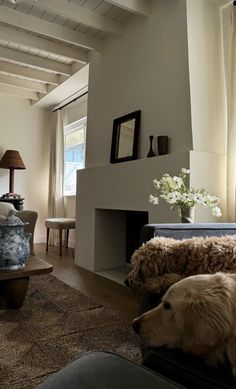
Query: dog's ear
pixel 135 279
pixel 145 266
pixel 207 320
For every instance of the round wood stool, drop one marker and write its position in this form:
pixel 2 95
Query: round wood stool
pixel 61 223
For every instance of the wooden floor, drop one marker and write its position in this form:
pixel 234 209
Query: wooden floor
pixel 106 292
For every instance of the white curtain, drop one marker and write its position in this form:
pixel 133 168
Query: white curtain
pixel 56 206
pixel 229 50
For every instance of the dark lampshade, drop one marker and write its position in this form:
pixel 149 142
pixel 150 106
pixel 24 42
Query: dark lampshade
pixel 11 160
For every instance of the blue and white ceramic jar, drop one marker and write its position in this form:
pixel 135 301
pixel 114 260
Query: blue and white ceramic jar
pixel 14 243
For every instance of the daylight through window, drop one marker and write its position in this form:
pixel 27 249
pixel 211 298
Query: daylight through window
pixel 74 155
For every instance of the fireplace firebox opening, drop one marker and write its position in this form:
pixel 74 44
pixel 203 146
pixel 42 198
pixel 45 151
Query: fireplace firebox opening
pixel 117 236
pixel 135 220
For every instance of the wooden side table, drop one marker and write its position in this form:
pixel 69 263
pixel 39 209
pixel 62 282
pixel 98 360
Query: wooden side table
pixel 18 202
pixel 14 283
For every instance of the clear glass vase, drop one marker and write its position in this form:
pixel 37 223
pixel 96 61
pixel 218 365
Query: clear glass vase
pixel 187 214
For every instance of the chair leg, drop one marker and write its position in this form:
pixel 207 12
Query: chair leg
pixel 67 238
pixel 60 242
pixel 47 238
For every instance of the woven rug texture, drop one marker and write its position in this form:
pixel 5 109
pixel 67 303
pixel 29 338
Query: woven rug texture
pixel 55 325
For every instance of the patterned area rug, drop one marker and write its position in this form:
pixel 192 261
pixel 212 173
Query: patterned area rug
pixel 55 325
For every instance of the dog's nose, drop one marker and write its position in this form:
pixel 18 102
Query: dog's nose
pixel 136 325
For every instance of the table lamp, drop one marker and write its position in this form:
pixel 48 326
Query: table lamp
pixel 11 160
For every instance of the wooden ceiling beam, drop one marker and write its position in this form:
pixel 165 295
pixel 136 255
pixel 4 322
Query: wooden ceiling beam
pixel 30 74
pixel 138 7
pixel 25 84
pixel 22 38
pixel 81 15
pixel 48 29
pixel 19 57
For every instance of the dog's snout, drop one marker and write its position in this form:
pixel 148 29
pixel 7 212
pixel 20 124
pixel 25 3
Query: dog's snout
pixel 136 325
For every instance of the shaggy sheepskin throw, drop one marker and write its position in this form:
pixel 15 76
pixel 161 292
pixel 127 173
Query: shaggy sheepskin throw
pixel 161 262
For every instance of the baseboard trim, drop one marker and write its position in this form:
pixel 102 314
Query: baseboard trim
pixel 40 239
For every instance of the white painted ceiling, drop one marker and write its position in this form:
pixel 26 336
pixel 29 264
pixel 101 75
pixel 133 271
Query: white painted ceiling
pixel 45 43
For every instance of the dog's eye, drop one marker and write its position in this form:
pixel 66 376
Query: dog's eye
pixel 166 305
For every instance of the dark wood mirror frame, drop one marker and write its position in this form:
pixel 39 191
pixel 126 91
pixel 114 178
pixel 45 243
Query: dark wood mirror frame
pixel 136 116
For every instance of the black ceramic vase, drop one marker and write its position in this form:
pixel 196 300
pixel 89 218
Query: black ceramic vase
pixel 151 152
pixel 162 144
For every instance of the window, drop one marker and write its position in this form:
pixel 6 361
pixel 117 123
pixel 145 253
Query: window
pixel 74 154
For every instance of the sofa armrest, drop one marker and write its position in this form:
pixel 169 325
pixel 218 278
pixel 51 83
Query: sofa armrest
pixel 105 370
pixel 31 218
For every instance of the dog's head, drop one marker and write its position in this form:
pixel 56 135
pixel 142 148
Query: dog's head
pixel 197 314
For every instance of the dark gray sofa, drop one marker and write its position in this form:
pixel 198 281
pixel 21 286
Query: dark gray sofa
pixel 174 364
pixel 103 370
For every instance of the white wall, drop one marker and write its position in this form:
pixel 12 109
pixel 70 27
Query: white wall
pixel 206 77
pixel 208 171
pixel 146 69
pixel 25 128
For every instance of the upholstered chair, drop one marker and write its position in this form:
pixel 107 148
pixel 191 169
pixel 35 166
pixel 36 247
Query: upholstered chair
pixel 25 216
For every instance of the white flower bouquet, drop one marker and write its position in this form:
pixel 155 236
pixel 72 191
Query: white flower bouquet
pixel 174 191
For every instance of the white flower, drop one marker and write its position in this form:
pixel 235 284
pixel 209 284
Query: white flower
pixel 185 171
pixel 156 184
pixel 153 200
pixel 185 197
pixel 216 211
pixel 198 198
pixel 176 191
pixel 212 198
pixel 178 181
pixel 172 197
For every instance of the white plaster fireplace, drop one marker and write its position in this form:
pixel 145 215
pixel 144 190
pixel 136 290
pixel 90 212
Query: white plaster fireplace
pixel 105 193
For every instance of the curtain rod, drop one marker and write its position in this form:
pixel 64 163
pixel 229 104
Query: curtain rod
pixel 63 106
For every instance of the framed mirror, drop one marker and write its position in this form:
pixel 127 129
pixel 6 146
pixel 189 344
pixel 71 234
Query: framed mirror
pixel 124 146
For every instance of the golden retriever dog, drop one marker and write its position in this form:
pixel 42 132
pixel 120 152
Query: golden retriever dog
pixel 198 315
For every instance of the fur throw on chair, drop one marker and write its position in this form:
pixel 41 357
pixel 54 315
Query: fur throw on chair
pixel 161 262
